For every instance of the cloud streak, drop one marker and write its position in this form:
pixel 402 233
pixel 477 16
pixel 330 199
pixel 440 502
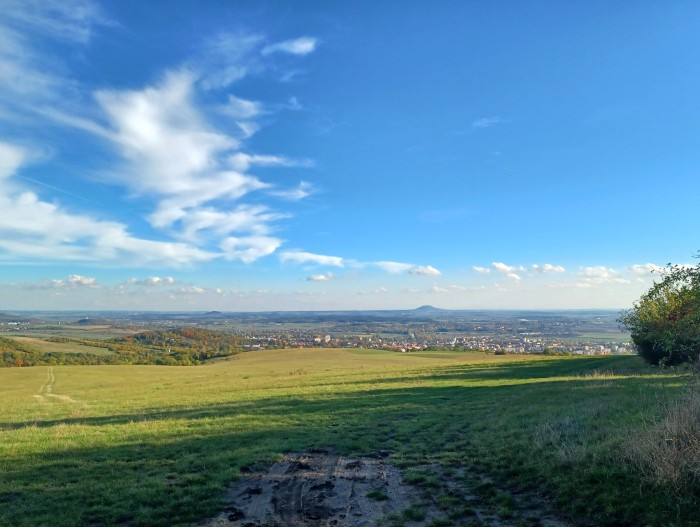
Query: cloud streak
pixel 320 277
pixel 303 257
pixel 486 122
pixel 297 46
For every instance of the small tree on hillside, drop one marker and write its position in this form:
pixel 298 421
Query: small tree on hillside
pixel 665 322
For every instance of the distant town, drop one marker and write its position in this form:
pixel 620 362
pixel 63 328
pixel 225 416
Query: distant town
pixel 422 329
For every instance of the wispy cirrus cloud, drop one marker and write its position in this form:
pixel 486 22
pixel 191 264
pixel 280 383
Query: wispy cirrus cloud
pixel 27 75
pixel 227 58
pixel 297 46
pixel 249 248
pixel 303 190
pixel 393 267
pixel 242 161
pixel 33 228
pixel 303 257
pixel 486 122
pixel 62 19
pixel 192 173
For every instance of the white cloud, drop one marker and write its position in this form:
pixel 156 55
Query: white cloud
pixel 438 289
pixel 306 257
pixel 81 281
pixel 598 272
pixel 244 218
pixel 297 46
pixel 191 289
pixel 424 270
pixel 547 268
pixel 293 104
pixel 602 275
pixel 506 269
pixel 646 269
pixel 153 281
pixel 242 108
pixel 74 281
pixel 171 148
pixel 482 270
pixel 30 227
pixel 175 156
pixel 11 158
pixel 514 276
pixel 241 161
pixel 70 20
pixel 249 248
pixel 303 190
pixel 29 76
pixel 393 267
pixel 228 58
pixel 486 122
pixel 320 277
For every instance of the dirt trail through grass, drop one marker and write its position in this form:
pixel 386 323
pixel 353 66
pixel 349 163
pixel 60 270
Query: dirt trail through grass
pixel 320 488
pixel 46 390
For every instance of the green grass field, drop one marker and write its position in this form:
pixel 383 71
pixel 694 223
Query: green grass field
pixel 150 445
pixel 47 346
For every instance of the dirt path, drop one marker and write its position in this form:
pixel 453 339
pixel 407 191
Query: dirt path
pixel 318 489
pixel 46 390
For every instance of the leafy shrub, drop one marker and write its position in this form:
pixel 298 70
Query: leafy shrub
pixel 665 322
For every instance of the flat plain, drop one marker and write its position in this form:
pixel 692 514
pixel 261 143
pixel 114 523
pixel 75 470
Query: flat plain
pixel 487 440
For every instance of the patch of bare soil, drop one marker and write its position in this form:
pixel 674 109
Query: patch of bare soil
pixel 319 488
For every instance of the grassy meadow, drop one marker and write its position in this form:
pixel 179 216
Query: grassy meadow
pixel 48 346
pixel 154 445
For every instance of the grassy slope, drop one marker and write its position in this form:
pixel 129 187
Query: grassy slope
pixel 148 445
pixel 47 346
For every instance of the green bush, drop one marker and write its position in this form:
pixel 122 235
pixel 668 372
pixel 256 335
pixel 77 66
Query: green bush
pixel 665 322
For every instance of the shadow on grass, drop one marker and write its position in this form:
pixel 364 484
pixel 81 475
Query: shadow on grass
pixel 178 474
pixel 352 400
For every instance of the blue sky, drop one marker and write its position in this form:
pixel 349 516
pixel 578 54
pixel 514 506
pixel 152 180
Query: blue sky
pixel 345 155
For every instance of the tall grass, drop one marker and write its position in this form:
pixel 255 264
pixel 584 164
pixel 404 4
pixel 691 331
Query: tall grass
pixel 667 449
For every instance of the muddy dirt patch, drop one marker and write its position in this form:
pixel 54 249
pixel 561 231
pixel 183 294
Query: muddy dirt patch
pixel 322 488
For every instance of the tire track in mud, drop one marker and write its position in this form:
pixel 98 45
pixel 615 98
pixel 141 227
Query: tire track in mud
pixel 46 390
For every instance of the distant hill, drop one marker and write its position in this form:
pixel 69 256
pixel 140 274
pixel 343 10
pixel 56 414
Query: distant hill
pixel 430 309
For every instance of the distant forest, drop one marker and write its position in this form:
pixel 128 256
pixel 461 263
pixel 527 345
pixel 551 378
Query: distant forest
pixel 178 347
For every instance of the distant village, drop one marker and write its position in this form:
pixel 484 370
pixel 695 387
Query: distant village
pixel 491 344
pixel 512 333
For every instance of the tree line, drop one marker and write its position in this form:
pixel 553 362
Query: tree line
pixel 177 347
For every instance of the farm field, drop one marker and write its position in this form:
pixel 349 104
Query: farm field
pixel 102 332
pixel 47 346
pixel 487 440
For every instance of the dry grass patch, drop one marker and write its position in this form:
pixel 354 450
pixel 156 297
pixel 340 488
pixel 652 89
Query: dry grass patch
pixel 667 451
